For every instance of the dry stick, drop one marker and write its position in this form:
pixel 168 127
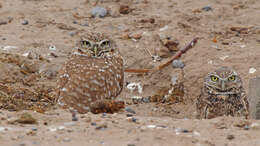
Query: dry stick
pixel 178 55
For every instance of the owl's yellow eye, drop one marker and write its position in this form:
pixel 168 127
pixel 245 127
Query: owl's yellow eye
pixel 214 78
pixel 232 78
pixel 105 43
pixel 86 44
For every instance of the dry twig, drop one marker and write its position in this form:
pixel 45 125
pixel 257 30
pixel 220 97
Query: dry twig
pixel 160 67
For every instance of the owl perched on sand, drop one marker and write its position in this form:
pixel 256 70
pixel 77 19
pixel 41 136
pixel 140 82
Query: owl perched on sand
pixel 222 94
pixel 95 73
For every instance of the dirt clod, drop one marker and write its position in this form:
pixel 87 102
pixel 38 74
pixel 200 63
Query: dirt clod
pixel 124 9
pixel 26 118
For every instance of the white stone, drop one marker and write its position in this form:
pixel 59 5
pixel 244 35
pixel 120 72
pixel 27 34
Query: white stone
pixel 252 70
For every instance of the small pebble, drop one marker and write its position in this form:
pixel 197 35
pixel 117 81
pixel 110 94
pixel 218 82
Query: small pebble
pixel 52 48
pixel 25 22
pixel 151 126
pixel 104 115
pixel 136 36
pixel 207 8
pixel 181 130
pixel 177 64
pixel 161 126
pixel 242 46
pixel 26 118
pixel 230 137
pixel 130 144
pixel 224 57
pixel 124 9
pixel 174 80
pixel 69 123
pixel 74 118
pixel 254 125
pixel 98 12
pixel 88 119
pixel 35 142
pixel 196 133
pixel 164 28
pixel 3 22
pixel 101 127
pixel 146 99
pixel 130 110
pixel 84 24
pixel 131 119
pixel 61 128
pixel 3 129
pixel 252 70
pixel 72 33
pixel 69 130
pixel 75 22
pixel 246 127
pixel 66 139
pixel 93 123
pixel 34 129
pixel 129 115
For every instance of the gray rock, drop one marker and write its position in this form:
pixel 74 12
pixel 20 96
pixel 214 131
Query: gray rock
pixel 69 123
pixel 72 33
pixel 129 115
pixel 84 24
pixel 128 109
pixel 66 139
pixel 177 64
pixel 207 8
pixel 25 22
pixel 98 12
pixel 181 130
pixel 93 123
pixel 134 119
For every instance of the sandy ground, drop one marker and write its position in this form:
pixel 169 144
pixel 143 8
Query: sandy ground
pixel 32 53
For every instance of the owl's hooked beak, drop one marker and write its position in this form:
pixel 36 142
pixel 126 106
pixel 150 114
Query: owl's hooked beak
pixel 95 51
pixel 223 85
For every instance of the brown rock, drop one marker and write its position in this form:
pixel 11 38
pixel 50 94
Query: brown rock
pixel 136 36
pixel 169 43
pixel 230 137
pixel 124 9
pixel 147 20
pixel 26 118
pixel 241 29
pixel 125 36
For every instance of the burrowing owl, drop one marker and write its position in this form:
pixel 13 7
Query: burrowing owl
pixel 94 73
pixel 222 94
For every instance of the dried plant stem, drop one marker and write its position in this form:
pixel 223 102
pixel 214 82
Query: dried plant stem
pixel 160 67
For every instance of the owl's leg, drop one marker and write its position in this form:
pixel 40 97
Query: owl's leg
pixel 206 112
pixel 202 109
pixel 245 104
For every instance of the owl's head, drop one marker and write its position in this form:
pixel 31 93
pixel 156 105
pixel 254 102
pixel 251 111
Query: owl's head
pixel 224 80
pixel 96 45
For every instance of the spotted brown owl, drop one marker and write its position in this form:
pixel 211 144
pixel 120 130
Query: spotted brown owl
pixel 222 94
pixel 94 73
